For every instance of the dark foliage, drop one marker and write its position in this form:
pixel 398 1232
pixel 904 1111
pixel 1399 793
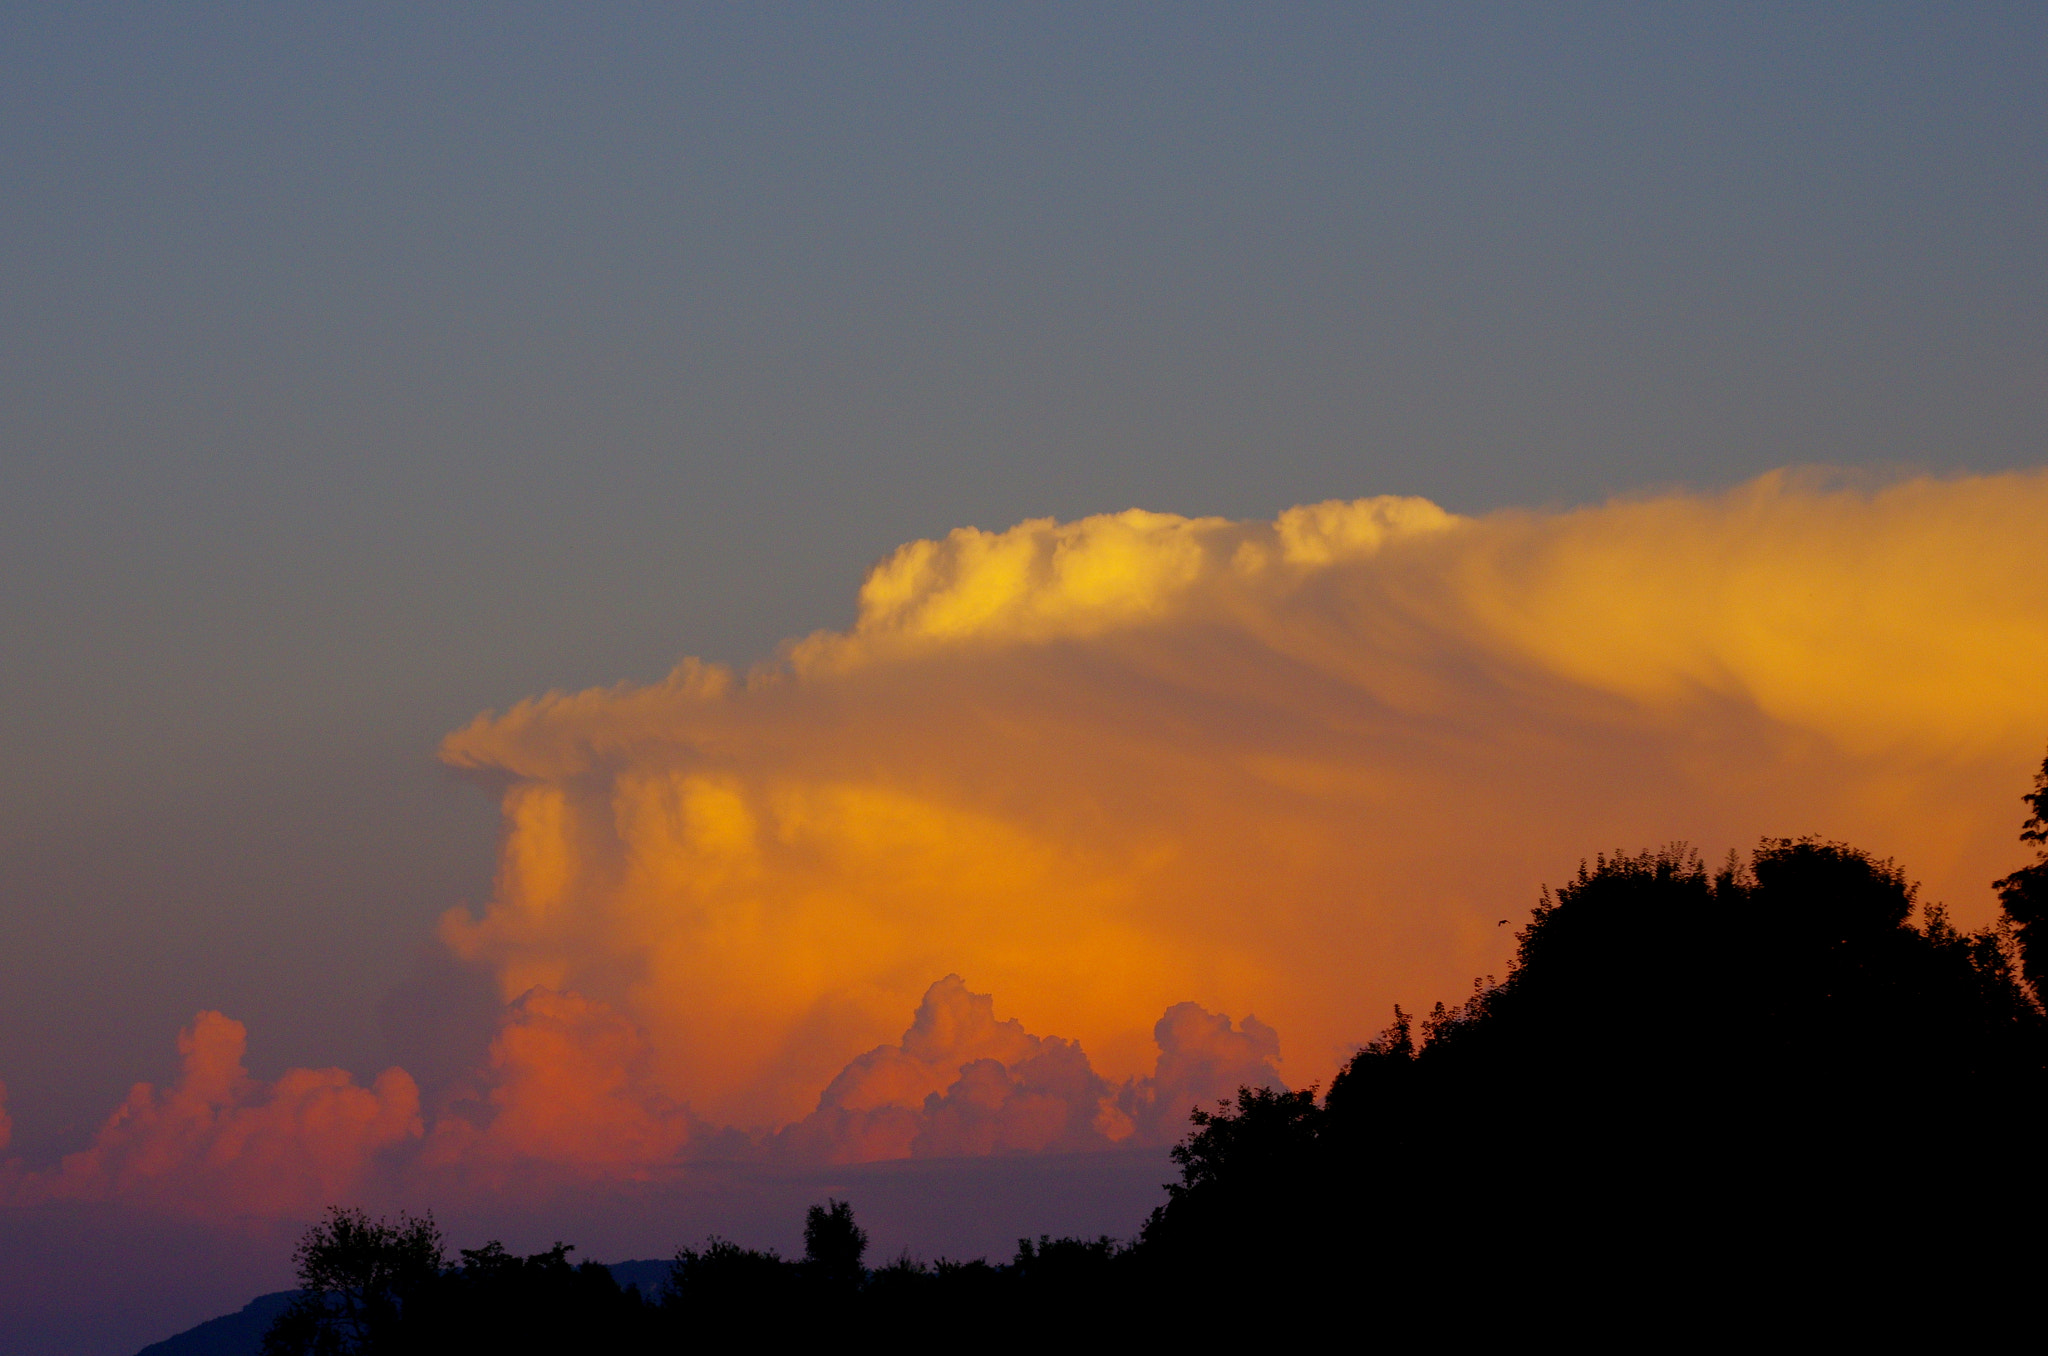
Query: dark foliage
pixel 498 1301
pixel 1767 1089
pixel 380 1288
pixel 834 1246
pixel 2025 892
pixel 358 1277
pixel 377 1286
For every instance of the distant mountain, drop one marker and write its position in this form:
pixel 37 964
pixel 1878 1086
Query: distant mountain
pixel 236 1334
pixel 241 1333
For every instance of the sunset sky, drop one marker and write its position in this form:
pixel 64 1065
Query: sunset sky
pixel 650 604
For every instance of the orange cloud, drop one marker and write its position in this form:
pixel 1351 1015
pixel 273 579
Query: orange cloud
pixel 875 1107
pixel 564 1086
pixel 961 1083
pixel 565 1097
pixel 1298 767
pixel 220 1142
pixel 1141 764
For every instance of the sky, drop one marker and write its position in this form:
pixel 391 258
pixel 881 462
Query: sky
pixel 369 371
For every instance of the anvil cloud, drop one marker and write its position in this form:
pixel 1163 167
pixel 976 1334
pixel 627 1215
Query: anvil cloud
pixel 1299 768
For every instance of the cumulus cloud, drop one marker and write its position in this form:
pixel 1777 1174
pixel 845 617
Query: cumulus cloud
pixel 1050 1102
pixel 565 1096
pixel 1140 764
pixel 564 1086
pixel 960 1083
pixel 1203 1059
pixel 1299 767
pixel 874 1107
pixel 221 1142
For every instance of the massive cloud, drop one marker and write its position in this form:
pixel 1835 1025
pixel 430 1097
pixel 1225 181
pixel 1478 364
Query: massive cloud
pixel 1301 768
pixel 1142 764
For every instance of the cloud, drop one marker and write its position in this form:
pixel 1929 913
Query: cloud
pixel 962 1084
pixel 1299 767
pixel 221 1142
pixel 1052 1102
pixel 1143 764
pixel 564 1085
pixel 958 1083
pixel 565 1097
pixel 874 1107
pixel 1203 1059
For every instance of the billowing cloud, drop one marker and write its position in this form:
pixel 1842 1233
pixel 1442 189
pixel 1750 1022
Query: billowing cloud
pixel 565 1097
pixel 1300 767
pixel 564 1086
pixel 221 1142
pixel 1203 1059
pixel 961 1083
pixel 881 1105
pixel 1143 764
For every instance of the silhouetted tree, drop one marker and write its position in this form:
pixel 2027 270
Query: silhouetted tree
pixel 357 1277
pixel 1693 1088
pixel 724 1293
pixel 501 1302
pixel 2025 892
pixel 379 1288
pixel 834 1246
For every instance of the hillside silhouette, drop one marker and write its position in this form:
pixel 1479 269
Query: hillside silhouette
pixel 1775 1097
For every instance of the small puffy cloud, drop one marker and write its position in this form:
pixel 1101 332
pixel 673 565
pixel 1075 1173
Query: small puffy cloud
pixel 963 1084
pixel 1203 1058
pixel 221 1142
pixel 952 1027
pixel 565 1085
pixel 874 1108
pixel 1051 1102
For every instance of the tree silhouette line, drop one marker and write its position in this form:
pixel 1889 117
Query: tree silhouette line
pixel 1775 1099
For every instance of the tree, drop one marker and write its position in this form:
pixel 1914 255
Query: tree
pixel 2024 893
pixel 1693 1088
pixel 356 1277
pixel 834 1245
